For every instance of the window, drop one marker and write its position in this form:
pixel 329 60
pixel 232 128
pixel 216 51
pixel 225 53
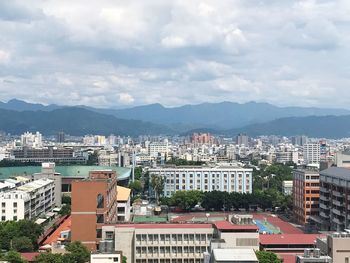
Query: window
pixel 109 235
pixel 100 201
pixel 100 218
pixel 3 218
pixel 15 218
pixel 3 204
pixel 98 233
pixel 15 204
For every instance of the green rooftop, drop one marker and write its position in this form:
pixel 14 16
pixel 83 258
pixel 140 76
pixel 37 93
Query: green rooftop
pixel 69 170
pixel 150 219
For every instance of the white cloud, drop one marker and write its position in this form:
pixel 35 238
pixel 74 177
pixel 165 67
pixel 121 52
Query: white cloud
pixel 128 52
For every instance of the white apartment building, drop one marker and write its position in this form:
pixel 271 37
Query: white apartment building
pixel 156 148
pixel 28 201
pixel 123 203
pixel 286 157
pixel 206 179
pixel 312 153
pixel 32 140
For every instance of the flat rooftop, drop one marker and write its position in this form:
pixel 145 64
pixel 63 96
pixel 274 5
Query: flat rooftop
pixel 239 255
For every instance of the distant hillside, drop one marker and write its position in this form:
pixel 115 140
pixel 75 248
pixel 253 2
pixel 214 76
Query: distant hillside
pixel 223 115
pixel 74 121
pixel 313 126
pixel 20 105
pixel 217 116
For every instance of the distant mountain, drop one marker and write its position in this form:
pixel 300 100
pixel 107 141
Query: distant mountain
pixel 75 121
pixel 20 105
pixel 312 126
pixel 223 115
pixel 210 116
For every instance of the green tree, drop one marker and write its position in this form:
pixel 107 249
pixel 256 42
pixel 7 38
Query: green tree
pixel 136 186
pixel 13 257
pixel 138 173
pixel 78 253
pixel 49 258
pixel 66 200
pixel 267 257
pixel 22 244
pixel 157 183
pixel 187 199
pixel 125 259
pixel 93 158
pixel 65 210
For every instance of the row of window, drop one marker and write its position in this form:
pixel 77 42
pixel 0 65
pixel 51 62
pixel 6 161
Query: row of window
pixel 172 237
pixel 174 260
pixel 167 250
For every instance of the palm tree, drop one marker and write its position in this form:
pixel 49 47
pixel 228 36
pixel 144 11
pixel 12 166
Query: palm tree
pixel 157 183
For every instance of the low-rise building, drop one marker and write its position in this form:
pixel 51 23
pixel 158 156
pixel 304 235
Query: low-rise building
pixel 230 255
pixel 287 187
pixel 206 179
pixel 123 200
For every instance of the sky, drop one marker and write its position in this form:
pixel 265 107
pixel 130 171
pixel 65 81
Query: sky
pixel 108 53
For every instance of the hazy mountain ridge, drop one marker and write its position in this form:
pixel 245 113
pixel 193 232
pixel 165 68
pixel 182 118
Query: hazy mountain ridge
pixel 74 121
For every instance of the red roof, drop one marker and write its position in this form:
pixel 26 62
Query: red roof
pixel 225 225
pixel 65 226
pixel 155 226
pixel 289 239
pixel 287 258
pixel 29 256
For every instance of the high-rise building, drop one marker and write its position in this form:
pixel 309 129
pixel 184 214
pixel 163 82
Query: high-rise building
pixel 299 140
pixel 242 139
pixel 312 153
pixel 94 203
pixel 31 140
pixel 202 138
pixel 60 137
pixel 306 193
pixel 335 198
pixel 220 178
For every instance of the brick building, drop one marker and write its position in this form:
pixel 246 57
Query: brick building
pixel 306 194
pixel 94 204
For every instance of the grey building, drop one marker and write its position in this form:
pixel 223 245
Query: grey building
pixel 335 198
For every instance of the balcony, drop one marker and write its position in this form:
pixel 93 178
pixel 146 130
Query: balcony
pixel 337 212
pixel 324 215
pixel 337 203
pixel 337 193
pixel 324 190
pixel 323 206
pixel 337 221
pixel 324 198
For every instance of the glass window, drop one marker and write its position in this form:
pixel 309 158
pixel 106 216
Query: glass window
pixel 100 201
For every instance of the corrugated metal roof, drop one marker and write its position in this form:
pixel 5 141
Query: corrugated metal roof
pixel 337 172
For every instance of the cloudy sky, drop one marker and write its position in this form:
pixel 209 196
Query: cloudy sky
pixel 110 53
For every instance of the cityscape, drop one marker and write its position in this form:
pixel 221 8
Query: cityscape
pixel 174 131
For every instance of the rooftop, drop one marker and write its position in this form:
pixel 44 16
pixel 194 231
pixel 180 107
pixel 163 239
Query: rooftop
pixel 71 170
pixel 162 226
pixel 337 172
pixel 227 226
pixel 239 255
pixel 289 239
pixel 123 193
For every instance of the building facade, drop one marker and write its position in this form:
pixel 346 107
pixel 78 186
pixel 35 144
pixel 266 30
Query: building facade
pixel 335 198
pixel 206 179
pixel 312 153
pixel 94 203
pixel 306 194
pixel 28 201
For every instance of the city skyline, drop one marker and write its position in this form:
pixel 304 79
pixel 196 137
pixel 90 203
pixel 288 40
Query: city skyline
pixel 105 54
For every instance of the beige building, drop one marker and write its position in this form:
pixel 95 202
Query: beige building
pixel 177 243
pixel 339 247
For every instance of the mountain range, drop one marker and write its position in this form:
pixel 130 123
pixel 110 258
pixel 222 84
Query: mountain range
pixel 227 118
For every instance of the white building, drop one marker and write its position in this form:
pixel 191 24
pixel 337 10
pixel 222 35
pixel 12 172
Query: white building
pixel 286 157
pixel 156 148
pixel 32 140
pixel 106 258
pixel 28 201
pixel 206 179
pixel 123 203
pixel 311 153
